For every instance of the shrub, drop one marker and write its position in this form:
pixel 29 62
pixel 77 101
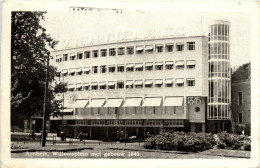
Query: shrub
pixel 232 141
pixel 149 143
pixel 247 146
pixel 221 145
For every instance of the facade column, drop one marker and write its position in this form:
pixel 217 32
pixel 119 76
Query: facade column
pixel 137 132
pixel 144 132
pixel 203 127
pixel 107 131
pixel 90 132
pixel 185 107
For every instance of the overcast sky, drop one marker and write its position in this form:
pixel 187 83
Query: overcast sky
pixel 69 26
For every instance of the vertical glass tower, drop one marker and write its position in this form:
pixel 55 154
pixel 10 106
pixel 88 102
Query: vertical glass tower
pixel 219 77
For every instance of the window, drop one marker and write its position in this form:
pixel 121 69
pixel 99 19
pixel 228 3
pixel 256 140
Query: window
pixel 168 82
pixel 138 84
pixel 190 64
pixel 129 67
pixel 191 45
pixel 149 49
pixel 72 57
pixel 112 52
pixel 111 85
pixel 120 68
pixel 179 82
pixel 94 86
pixel 72 72
pixel 103 52
pixel 87 54
pixel 139 50
pixel 79 87
pixel 158 83
pixel 79 71
pixel 179 64
pixel 168 65
pixel 130 50
pixel 129 84
pixel 71 87
pixel 148 66
pixel 95 53
pixel 95 69
pixel 240 98
pixel 86 86
pixel 120 84
pixel 190 82
pixel 103 69
pixel 80 56
pixel 139 67
pixel 148 83
pixel 121 51
pixel 180 47
pixel 65 57
pixel 158 66
pixel 169 47
pixel 87 70
pixel 111 68
pixel 240 117
pixel 102 86
pixel 159 48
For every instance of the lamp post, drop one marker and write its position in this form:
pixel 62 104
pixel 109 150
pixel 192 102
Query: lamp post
pixel 45 104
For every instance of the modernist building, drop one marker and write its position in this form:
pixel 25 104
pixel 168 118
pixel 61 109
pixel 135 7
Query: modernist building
pixel 241 96
pixel 147 85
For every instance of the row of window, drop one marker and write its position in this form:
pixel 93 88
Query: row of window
pixel 128 84
pixel 138 50
pixel 131 67
pixel 129 122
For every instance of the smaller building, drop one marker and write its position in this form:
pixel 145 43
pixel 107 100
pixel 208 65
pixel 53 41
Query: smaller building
pixel 241 98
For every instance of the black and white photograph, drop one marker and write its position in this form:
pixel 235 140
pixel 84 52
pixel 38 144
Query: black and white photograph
pixel 104 82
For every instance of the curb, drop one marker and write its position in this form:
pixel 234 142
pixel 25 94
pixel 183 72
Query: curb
pixel 51 150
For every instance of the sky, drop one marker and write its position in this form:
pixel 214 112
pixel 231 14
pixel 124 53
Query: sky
pixel 68 27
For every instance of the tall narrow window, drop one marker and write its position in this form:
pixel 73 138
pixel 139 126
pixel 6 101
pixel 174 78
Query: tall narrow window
pixel 65 56
pixel 130 50
pixel 190 82
pixel 139 67
pixel 103 69
pixel 95 69
pixel 149 49
pixel 240 98
pixel 148 66
pixel 120 68
pixel 139 50
pixel 169 47
pixel 158 66
pixel 159 48
pixel 111 68
pixel 120 84
pixel 95 53
pixel 169 65
pixel 80 56
pixel 240 117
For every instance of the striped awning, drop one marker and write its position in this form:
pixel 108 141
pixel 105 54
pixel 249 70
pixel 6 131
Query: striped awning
pixel 153 101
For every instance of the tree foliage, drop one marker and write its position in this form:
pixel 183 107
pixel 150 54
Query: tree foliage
pixel 30 46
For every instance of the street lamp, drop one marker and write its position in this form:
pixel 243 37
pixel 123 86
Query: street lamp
pixel 45 103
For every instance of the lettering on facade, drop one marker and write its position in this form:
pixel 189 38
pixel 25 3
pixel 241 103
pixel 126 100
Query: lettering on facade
pixel 125 36
pixel 194 100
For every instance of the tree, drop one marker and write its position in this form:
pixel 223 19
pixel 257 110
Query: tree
pixel 30 46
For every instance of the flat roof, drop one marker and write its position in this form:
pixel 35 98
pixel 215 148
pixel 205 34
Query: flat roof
pixel 128 41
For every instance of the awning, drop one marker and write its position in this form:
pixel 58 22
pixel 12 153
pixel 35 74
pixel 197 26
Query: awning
pixel 168 81
pixel 150 47
pixel 79 70
pixel 64 71
pixel 139 48
pixel 78 85
pixel 87 69
pixel 158 82
pixel 159 45
pixel 120 65
pixel 129 83
pixel 139 65
pixel 102 83
pixel 158 63
pixel 173 101
pixel 154 101
pixel 85 84
pixel 111 83
pixel 58 71
pixel 80 104
pixel 71 86
pixel 190 62
pixel 148 82
pixel 149 64
pixel 169 63
pixel 179 81
pixel 179 63
pixel 72 70
pixel 94 83
pixel 66 110
pixel 96 102
pixel 133 102
pixel 113 103
pixel 112 65
pixel 129 65
pixel 138 82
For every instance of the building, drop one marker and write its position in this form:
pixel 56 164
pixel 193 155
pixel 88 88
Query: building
pixel 143 86
pixel 241 97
